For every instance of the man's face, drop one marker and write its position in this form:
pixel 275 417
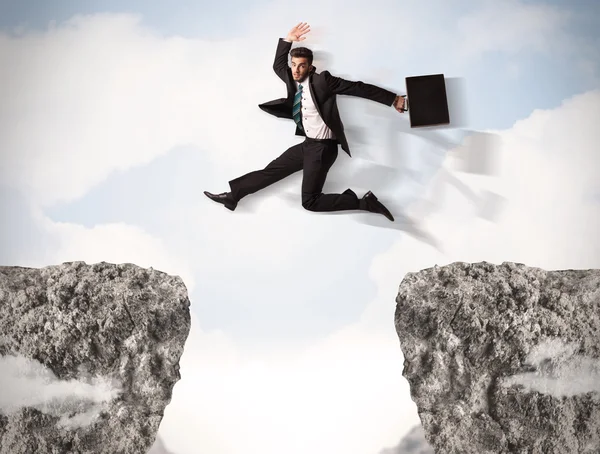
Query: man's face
pixel 300 68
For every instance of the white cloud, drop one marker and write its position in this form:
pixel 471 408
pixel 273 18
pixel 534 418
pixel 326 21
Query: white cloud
pixel 560 371
pixel 549 167
pixel 512 27
pixel 340 395
pixel 104 93
pixel 112 243
pixel 31 384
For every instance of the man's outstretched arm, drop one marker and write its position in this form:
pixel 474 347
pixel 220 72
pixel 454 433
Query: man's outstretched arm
pixel 280 65
pixel 363 90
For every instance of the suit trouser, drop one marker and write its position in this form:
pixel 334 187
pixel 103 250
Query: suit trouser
pixel 314 157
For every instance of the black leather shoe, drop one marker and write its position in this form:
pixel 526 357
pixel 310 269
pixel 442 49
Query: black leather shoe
pixel 225 198
pixel 370 203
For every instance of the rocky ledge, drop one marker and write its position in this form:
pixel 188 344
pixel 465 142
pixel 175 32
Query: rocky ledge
pixel 503 358
pixel 89 356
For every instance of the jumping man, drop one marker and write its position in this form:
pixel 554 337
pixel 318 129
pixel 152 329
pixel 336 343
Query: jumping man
pixel 311 103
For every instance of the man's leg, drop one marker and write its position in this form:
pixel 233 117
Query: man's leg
pixel 319 156
pixel 289 162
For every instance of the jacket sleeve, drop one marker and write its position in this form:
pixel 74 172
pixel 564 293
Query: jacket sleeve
pixel 280 65
pixel 341 86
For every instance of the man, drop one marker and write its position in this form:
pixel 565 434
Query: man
pixel 311 103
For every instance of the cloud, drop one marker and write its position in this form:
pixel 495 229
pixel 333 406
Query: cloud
pixel 112 243
pixel 115 95
pixel 512 27
pixel 31 384
pixel 559 371
pixel 340 395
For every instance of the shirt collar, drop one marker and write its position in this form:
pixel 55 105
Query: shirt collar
pixel 304 82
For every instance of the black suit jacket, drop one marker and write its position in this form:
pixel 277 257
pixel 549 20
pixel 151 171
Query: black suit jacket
pixel 323 88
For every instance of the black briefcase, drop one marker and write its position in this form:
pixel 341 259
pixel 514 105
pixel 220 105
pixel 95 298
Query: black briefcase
pixel 426 101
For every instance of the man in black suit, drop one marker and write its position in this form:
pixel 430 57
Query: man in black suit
pixel 311 103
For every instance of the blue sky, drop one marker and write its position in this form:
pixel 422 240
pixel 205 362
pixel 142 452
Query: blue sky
pixel 115 126
pixel 209 20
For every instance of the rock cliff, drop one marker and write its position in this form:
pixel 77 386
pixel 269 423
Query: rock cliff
pixel 89 356
pixel 503 358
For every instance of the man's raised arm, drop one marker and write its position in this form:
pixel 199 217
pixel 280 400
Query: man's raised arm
pixel 280 65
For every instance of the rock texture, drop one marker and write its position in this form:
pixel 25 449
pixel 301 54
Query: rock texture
pixel 503 358
pixel 90 355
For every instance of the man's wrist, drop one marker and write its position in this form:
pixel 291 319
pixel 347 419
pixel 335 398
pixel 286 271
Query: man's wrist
pixel 287 40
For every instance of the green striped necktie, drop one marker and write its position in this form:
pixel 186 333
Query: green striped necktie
pixel 298 107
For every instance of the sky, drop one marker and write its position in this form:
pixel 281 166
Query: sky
pixel 115 117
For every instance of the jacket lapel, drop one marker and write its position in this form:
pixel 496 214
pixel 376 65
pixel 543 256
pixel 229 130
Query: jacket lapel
pixel 282 107
pixel 313 91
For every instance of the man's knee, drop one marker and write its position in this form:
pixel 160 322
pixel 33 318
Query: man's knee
pixel 308 202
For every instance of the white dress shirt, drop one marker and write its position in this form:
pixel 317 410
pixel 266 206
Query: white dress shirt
pixel 313 124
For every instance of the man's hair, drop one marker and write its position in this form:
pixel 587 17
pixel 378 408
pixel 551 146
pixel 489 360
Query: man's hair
pixel 302 52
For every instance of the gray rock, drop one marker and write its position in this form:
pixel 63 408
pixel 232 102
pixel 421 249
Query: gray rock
pixel 503 358
pixel 413 442
pixel 89 356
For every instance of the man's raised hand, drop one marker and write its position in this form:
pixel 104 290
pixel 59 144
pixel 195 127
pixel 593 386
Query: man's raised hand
pixel 296 33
